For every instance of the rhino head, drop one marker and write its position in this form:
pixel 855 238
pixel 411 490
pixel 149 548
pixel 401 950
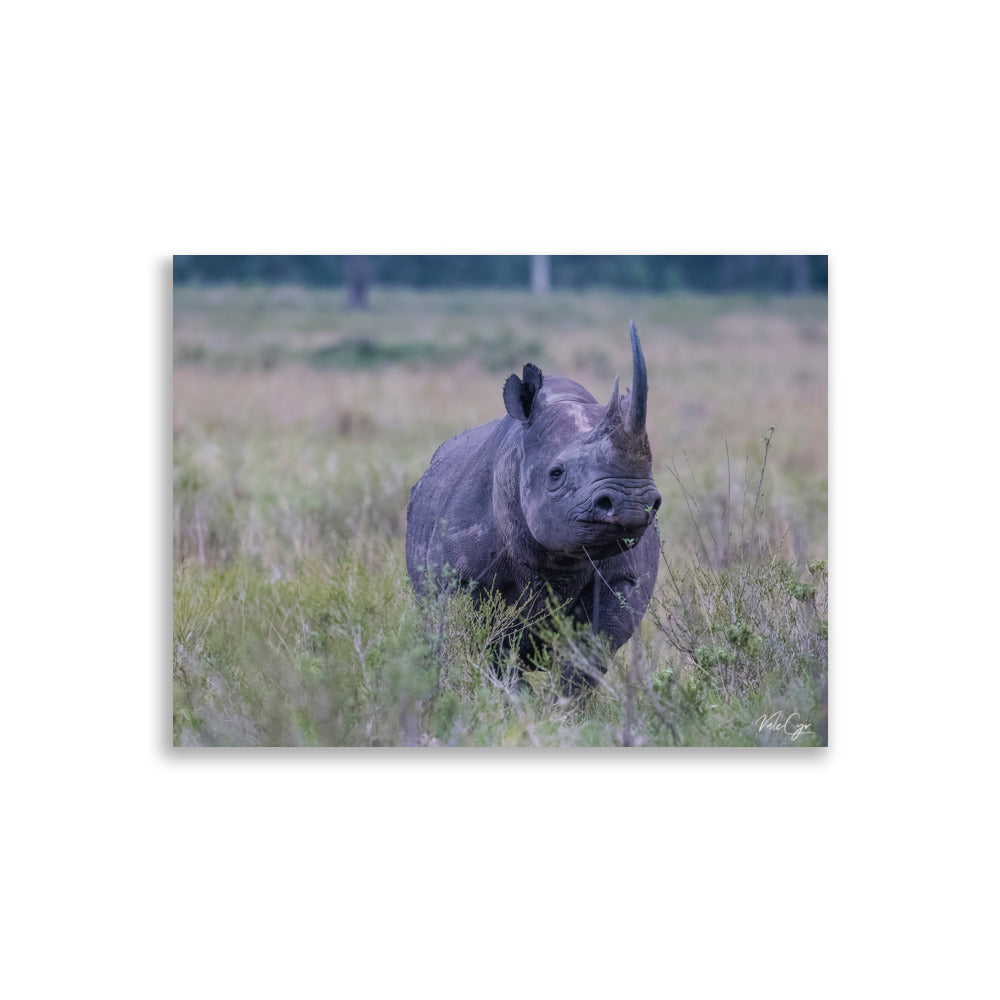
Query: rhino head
pixel 586 485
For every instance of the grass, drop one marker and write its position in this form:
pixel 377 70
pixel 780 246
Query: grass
pixel 299 428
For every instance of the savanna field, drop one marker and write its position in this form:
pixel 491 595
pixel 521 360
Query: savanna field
pixel 300 426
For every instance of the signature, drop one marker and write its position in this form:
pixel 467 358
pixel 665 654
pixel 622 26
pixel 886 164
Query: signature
pixel 778 722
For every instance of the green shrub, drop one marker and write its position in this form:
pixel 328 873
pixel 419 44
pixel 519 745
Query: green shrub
pixel 749 631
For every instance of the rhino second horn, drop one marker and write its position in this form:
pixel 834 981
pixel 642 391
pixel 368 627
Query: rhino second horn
pixel 636 421
pixel 614 411
pixel 612 419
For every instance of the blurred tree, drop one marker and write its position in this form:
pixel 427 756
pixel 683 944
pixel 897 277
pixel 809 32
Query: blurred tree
pixel 706 273
pixel 540 274
pixel 357 274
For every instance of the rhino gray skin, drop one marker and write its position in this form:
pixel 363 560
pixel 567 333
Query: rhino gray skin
pixel 554 499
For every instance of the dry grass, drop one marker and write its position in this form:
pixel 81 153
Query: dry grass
pixel 295 452
pixel 722 372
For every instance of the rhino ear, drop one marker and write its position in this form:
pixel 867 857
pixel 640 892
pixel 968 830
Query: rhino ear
pixel 519 393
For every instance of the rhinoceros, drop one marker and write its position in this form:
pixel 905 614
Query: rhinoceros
pixel 553 502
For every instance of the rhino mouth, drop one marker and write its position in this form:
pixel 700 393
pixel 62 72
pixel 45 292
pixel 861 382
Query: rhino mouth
pixel 637 520
pixel 606 538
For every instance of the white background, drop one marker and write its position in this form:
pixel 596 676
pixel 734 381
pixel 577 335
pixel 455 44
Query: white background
pixel 134 132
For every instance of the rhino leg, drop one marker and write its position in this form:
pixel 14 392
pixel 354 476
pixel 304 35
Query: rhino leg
pixel 616 600
pixel 612 603
pixel 611 607
pixel 582 673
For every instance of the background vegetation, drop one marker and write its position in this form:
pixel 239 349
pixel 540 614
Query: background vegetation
pixel 300 426
pixel 641 272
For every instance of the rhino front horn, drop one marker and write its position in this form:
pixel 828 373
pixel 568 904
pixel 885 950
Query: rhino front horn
pixel 636 421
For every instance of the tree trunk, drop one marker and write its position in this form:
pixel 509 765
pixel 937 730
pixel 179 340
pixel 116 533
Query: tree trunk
pixel 540 274
pixel 356 276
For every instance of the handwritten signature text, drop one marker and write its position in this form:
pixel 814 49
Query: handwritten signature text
pixel 778 722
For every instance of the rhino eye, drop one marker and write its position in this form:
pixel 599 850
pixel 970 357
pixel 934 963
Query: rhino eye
pixel 555 473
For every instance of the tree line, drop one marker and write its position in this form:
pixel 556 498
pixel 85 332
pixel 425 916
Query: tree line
pixel 647 272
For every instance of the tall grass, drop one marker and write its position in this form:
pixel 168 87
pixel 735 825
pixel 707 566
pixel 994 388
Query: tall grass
pixel 294 621
pixel 750 628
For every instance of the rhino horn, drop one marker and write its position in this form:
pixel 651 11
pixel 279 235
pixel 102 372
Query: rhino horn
pixel 635 422
pixel 614 411
pixel 612 421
